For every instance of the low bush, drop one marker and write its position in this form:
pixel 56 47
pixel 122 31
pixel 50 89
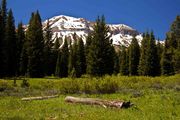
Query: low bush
pixel 3 86
pixel 106 86
pixel 88 87
pixel 25 83
pixel 70 87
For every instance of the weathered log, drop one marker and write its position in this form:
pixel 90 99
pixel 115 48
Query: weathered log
pixel 104 103
pixel 39 98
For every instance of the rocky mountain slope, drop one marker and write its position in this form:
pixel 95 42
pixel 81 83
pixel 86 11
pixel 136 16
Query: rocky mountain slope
pixel 65 26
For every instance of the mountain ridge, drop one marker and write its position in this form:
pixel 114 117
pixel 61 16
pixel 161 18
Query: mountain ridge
pixel 63 26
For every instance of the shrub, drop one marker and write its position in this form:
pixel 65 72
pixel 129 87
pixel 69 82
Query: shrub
pixel 3 86
pixel 106 86
pixel 157 85
pixel 25 83
pixel 177 87
pixel 88 87
pixel 70 87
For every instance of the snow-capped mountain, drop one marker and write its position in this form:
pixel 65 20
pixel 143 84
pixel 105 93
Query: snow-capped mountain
pixel 65 26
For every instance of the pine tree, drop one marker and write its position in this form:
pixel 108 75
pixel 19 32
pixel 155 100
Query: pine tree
pixel 152 61
pixel 177 60
pixel 120 58
pixel 23 60
pixel 116 63
pixel 159 54
pixel 100 60
pixel 1 41
pixel 167 67
pixel 142 62
pixel 48 52
pixel 20 42
pixel 62 61
pixel 3 19
pixel 134 55
pixel 174 43
pixel 58 65
pixel 3 15
pixel 124 62
pixel 88 44
pixel 72 59
pixel 35 46
pixel 174 34
pixel 55 50
pixel 81 59
pixel 56 44
pixel 10 47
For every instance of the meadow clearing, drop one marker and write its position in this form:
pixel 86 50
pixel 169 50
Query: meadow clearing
pixel 154 98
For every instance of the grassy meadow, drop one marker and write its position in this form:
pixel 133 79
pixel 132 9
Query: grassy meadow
pixel 155 98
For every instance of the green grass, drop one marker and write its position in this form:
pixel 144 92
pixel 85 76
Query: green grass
pixel 154 98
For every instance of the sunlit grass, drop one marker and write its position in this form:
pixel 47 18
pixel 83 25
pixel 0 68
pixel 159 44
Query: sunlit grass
pixel 154 98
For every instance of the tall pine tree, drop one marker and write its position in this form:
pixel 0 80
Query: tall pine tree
pixel 48 52
pixel 10 47
pixel 116 63
pixel 167 67
pixel 142 68
pixel 3 19
pixel 73 58
pixel 35 46
pixel 124 61
pixel 134 55
pixel 62 61
pixel 23 60
pixel 174 43
pixel 80 59
pixel 152 61
pixel 100 60
pixel 20 43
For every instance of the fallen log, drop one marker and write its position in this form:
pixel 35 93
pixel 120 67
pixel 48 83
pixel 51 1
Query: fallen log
pixel 104 103
pixel 39 98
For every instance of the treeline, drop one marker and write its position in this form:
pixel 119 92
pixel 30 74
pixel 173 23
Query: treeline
pixel 32 52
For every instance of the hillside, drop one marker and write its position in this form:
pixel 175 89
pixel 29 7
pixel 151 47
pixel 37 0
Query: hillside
pixel 65 26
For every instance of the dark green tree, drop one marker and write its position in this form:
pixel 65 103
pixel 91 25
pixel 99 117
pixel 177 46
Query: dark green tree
pixel 174 34
pixel 124 62
pixel 48 52
pixel 10 47
pixel 35 45
pixel 167 67
pixel 116 63
pixel 100 60
pixel 62 61
pixel 4 12
pixel 1 40
pixel 3 19
pixel 55 51
pixel 177 60
pixel 152 61
pixel 142 68
pixel 173 42
pixel 159 53
pixel 56 44
pixel 134 55
pixel 58 65
pixel 73 58
pixel 20 42
pixel 23 60
pixel 80 59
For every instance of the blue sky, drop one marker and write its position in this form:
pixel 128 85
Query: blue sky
pixel 143 15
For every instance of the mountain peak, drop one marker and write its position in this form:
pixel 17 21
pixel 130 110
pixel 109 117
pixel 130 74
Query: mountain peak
pixel 65 26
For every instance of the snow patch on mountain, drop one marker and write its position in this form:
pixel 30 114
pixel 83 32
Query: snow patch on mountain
pixel 65 26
